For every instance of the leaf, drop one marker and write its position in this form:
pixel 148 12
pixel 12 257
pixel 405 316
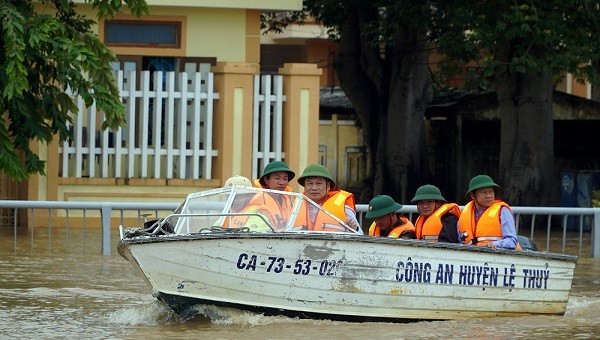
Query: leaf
pixel 45 54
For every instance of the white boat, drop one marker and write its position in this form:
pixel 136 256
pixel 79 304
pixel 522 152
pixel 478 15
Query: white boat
pixel 191 257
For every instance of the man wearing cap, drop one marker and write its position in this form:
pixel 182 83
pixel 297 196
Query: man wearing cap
pixel 486 220
pixel 320 187
pixel 437 219
pixel 276 176
pixel 237 180
pixel 274 207
pixel 240 202
pixel 387 222
pixel 241 198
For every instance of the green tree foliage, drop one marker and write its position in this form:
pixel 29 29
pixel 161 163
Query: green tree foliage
pixel 383 69
pixel 521 46
pixel 49 49
pixel 542 36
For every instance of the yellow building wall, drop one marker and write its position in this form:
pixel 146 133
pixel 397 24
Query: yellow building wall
pixel 335 137
pixel 322 52
pixel 117 191
pixel 227 34
pixel 569 84
pixel 206 32
pixel 579 89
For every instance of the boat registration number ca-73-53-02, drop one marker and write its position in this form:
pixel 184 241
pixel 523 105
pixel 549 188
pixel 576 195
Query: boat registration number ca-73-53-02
pixel 275 264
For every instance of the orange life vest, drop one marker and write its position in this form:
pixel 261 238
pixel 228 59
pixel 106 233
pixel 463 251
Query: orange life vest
pixel 335 204
pixel 374 229
pixel 429 229
pixel 487 229
pixel 276 213
pixel 256 183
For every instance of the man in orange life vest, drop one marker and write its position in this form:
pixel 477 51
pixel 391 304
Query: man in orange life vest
pixel 437 219
pixel 275 208
pixel 276 176
pixel 240 202
pixel 387 222
pixel 319 186
pixel 486 220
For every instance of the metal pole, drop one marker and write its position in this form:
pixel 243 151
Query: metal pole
pixel 596 234
pixel 105 216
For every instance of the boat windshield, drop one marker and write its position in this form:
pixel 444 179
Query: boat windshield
pixel 253 210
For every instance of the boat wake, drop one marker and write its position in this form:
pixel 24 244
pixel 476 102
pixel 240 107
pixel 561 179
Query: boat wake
pixel 232 316
pixel 582 306
pixel 148 314
pixel 157 313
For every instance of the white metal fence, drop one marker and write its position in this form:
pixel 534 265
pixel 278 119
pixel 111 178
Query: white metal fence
pixel 169 132
pixel 267 123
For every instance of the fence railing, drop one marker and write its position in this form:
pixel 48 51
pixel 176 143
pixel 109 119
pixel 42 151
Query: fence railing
pixel 168 133
pixel 537 221
pixel 267 123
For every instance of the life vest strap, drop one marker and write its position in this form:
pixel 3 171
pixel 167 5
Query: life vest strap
pixel 333 226
pixel 485 238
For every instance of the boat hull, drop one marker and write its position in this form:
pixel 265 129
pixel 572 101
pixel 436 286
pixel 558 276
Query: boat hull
pixel 350 277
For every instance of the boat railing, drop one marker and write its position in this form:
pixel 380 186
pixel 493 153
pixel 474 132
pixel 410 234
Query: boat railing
pixel 188 223
pixel 178 224
pixel 570 225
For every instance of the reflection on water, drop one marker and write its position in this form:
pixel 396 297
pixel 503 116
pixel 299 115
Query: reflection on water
pixel 57 284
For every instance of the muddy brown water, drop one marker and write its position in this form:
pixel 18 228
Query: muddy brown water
pixel 57 284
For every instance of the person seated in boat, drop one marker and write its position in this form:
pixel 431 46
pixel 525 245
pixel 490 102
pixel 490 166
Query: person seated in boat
pixel 274 209
pixel 320 187
pixel 241 200
pixel 487 220
pixel 276 176
pixel 261 218
pixel 437 218
pixel 388 222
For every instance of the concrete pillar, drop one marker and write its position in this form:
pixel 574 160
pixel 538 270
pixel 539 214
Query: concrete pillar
pixel 233 118
pixel 301 122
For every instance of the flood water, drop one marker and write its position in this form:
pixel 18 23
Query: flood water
pixel 57 284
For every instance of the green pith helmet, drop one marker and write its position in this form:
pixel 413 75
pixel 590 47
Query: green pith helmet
pixel 275 167
pixel 382 205
pixel 428 192
pixel 316 170
pixel 481 181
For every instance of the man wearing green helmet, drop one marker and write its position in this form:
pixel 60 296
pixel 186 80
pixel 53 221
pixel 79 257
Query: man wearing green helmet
pixel 437 219
pixel 486 220
pixel 320 187
pixel 388 223
pixel 276 176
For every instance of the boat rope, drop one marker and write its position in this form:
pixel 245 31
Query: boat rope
pixel 216 229
pixel 155 227
pixel 166 229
